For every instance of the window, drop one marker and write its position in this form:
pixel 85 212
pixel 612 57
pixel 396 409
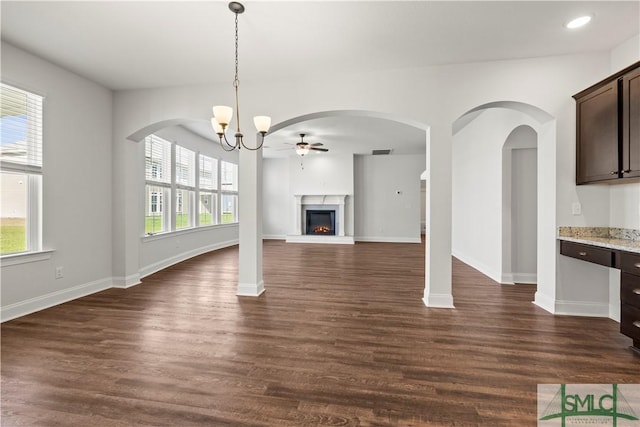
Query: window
pixel 21 170
pixel 158 185
pixel 185 187
pixel 229 186
pixel 208 184
pixel 188 190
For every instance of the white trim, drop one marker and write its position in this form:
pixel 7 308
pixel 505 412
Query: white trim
pixel 582 308
pixel 544 302
pixel 167 262
pixel 614 312
pixel 525 278
pixel 388 239
pixel 438 300
pixel 250 289
pixel 274 237
pixel 25 257
pixel 126 282
pixel 340 240
pixel 32 305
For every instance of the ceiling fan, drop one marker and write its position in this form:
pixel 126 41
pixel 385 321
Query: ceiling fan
pixel 303 147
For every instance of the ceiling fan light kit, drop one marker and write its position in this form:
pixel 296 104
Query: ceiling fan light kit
pixel 222 114
pixel 303 147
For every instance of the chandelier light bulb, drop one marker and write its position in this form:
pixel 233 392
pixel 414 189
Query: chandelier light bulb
pixel 216 126
pixel 263 123
pixel 223 114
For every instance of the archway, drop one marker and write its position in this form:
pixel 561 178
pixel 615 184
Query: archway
pixel 477 186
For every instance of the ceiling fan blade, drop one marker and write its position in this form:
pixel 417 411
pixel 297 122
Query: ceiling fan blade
pixel 316 144
pixel 319 149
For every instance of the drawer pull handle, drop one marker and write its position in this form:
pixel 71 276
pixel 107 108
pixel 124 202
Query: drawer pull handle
pixel 636 291
pixel 582 253
pixel 636 323
pixel 637 265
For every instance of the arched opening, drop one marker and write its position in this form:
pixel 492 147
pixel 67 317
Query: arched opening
pixel 484 197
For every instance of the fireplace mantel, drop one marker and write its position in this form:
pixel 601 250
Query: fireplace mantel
pixel 319 201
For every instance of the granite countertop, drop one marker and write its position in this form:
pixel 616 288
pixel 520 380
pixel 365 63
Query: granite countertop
pixel 624 239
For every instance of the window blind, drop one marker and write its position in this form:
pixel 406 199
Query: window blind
pixel 20 130
pixel 208 172
pixel 185 167
pixel 157 159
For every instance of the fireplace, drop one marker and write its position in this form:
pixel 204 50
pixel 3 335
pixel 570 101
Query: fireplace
pixel 321 222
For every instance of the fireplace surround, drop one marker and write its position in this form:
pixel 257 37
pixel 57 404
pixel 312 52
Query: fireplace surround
pixel 320 203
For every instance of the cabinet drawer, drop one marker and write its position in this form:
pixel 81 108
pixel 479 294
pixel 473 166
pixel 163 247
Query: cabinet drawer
pixel 630 289
pixel 630 263
pixel 587 253
pixel 630 321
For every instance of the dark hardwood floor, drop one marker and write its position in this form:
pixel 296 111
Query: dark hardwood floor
pixel 341 337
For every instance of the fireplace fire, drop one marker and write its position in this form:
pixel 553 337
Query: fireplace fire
pixel 321 222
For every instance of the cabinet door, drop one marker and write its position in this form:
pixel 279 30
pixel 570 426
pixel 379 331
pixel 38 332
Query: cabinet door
pixel 631 124
pixel 597 135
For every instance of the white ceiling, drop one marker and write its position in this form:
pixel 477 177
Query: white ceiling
pixel 130 45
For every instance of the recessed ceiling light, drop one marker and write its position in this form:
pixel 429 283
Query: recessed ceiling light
pixel 578 22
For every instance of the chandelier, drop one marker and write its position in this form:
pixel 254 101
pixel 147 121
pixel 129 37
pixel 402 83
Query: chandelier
pixel 222 114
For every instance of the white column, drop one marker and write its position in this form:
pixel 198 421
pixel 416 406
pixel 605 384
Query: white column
pixel 437 290
pixel 250 281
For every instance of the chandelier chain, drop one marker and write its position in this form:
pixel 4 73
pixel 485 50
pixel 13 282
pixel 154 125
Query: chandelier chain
pixel 236 83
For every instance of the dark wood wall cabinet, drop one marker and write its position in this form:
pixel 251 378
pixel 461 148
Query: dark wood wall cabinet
pixel 608 129
pixel 629 263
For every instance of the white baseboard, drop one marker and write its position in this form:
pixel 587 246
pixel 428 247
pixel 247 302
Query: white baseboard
pixel 250 289
pixel 380 239
pixel 545 302
pixel 614 312
pixel 581 308
pixel 525 278
pixel 438 301
pixel 32 305
pixel 274 237
pixel 168 262
pixel 126 282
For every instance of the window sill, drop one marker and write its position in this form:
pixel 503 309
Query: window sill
pixel 25 257
pixel 169 234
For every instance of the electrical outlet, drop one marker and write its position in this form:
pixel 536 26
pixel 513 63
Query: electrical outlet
pixel 59 273
pixel 576 208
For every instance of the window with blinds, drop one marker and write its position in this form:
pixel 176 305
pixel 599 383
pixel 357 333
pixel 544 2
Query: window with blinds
pixel 21 168
pixel 229 187
pixel 157 154
pixel 207 185
pixel 186 189
pixel 157 160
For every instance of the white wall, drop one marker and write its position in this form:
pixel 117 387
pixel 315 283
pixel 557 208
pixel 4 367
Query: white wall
pixel 387 197
pixel 276 198
pixel 77 199
pixel 481 235
pixel 524 190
